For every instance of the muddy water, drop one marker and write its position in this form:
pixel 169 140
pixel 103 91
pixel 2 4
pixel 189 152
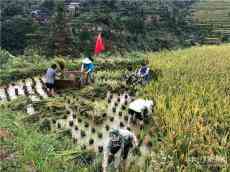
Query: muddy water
pixel 113 120
pixel 39 87
pixel 82 130
pixel 84 141
pixel 19 86
pixel 17 89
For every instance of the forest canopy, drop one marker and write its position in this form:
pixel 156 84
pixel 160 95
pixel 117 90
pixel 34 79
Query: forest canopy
pixel 52 29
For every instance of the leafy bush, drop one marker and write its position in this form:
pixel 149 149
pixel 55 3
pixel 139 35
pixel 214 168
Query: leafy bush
pixel 5 56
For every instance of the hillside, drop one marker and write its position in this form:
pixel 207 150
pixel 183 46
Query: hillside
pixel 189 129
pixel 214 13
pixel 141 25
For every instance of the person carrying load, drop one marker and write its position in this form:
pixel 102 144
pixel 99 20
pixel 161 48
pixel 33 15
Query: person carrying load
pixel 87 70
pixel 139 109
pixel 119 141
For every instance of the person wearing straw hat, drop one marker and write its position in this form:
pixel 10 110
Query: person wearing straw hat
pixel 87 68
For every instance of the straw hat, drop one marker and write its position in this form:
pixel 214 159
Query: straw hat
pixel 86 61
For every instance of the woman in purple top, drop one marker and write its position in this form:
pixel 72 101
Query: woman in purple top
pixel 143 72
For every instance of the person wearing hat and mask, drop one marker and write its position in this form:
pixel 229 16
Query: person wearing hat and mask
pixel 87 68
pixel 120 140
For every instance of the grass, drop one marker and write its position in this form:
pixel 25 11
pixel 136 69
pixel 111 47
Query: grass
pixel 30 149
pixel 191 119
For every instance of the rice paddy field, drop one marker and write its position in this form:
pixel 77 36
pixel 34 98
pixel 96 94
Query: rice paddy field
pixel 188 129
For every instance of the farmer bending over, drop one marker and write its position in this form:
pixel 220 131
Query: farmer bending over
pixel 143 72
pixel 50 79
pixel 139 109
pixel 119 140
pixel 87 68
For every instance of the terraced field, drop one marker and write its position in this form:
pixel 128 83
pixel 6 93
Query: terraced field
pixel 188 129
pixel 214 13
pixel 83 117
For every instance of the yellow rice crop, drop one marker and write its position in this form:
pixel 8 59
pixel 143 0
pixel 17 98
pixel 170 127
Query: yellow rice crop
pixel 193 101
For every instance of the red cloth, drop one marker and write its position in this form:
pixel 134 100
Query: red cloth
pixel 99 47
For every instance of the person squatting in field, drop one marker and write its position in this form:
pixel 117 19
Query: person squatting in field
pixel 143 72
pixel 140 76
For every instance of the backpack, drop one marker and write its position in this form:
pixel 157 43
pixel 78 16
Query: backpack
pixel 115 144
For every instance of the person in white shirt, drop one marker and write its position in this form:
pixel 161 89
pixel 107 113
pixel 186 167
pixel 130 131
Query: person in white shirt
pixel 119 140
pixel 140 109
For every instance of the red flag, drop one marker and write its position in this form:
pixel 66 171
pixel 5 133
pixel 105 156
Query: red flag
pixel 99 47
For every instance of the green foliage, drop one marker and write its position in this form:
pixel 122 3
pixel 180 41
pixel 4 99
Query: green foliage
pixel 133 25
pixel 60 62
pixel 11 8
pixel 37 151
pixel 14 31
pixel 16 24
pixel 20 67
pixel 61 33
pixel 5 56
pixel 48 5
pixel 126 26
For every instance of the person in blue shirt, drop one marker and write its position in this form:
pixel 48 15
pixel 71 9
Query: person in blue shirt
pixel 88 68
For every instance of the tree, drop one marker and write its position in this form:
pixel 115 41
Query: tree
pixel 49 5
pixel 12 8
pixel 16 24
pixel 60 33
pixel 14 33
